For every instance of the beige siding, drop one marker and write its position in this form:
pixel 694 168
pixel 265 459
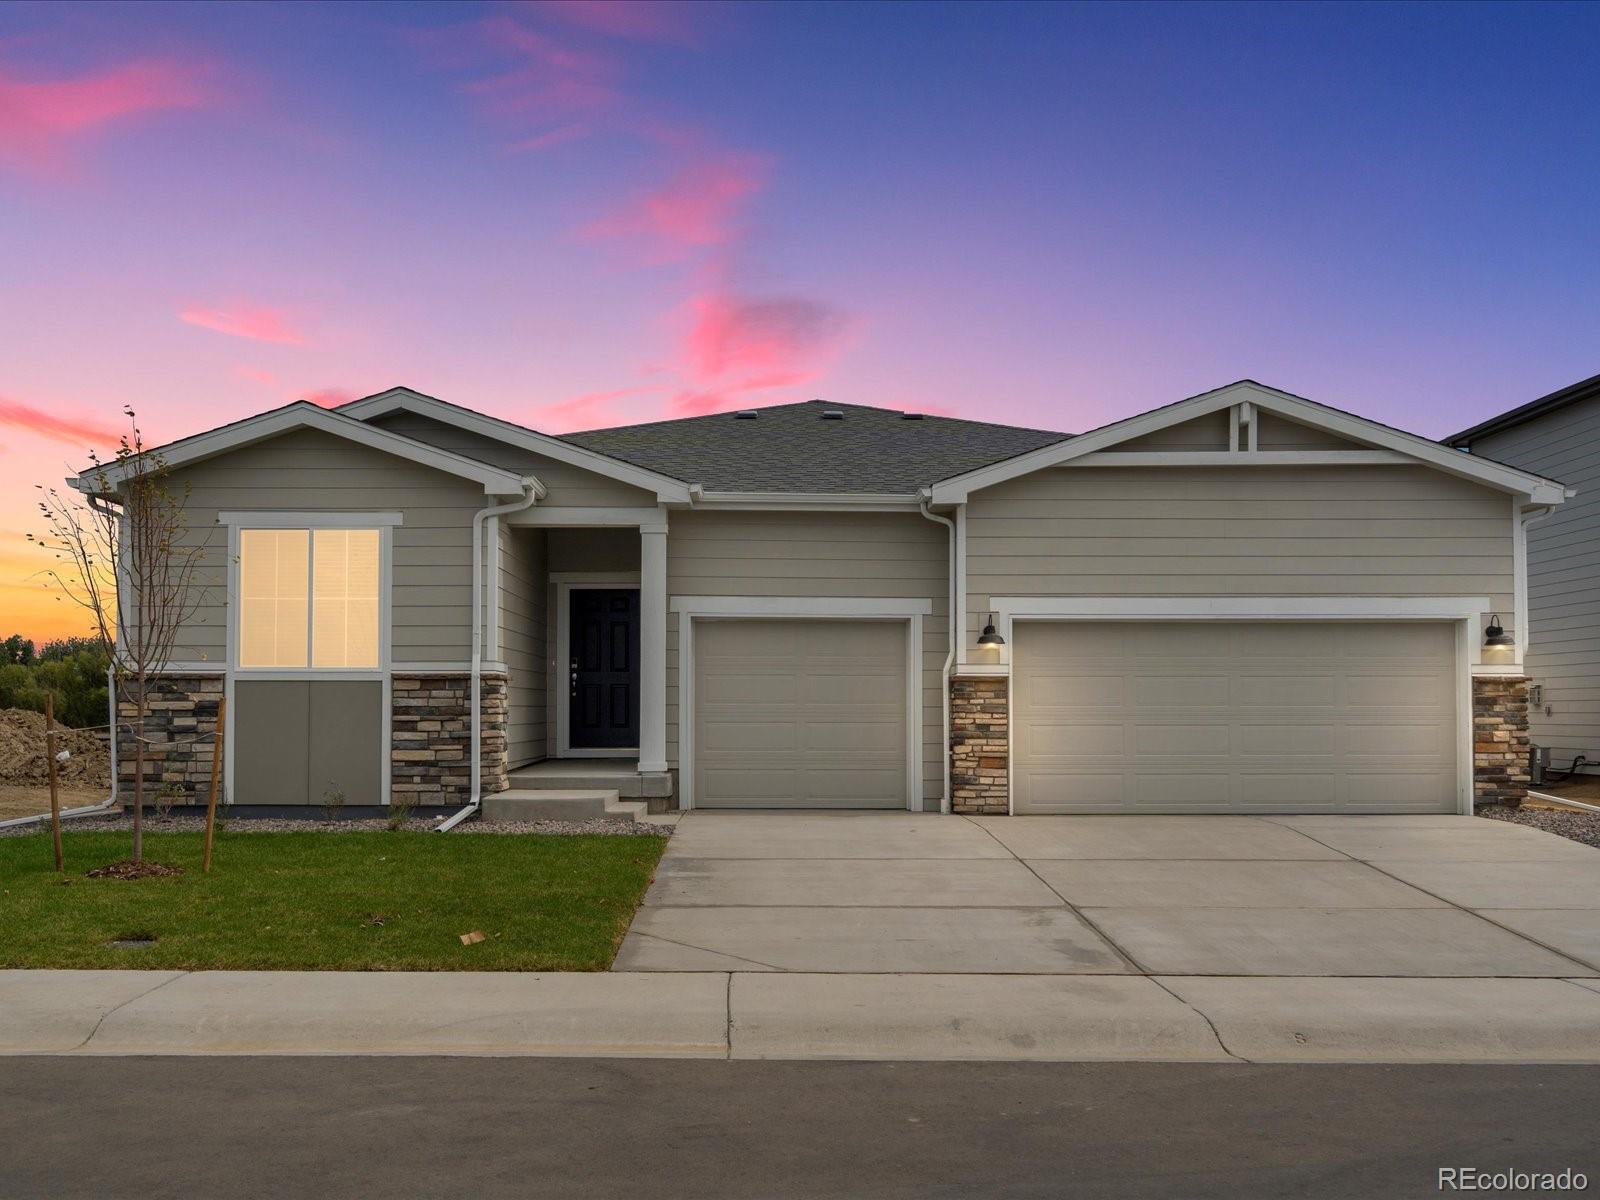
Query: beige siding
pixel 608 551
pixel 568 486
pixel 523 621
pixel 1563 652
pixel 314 471
pixel 1209 432
pixel 816 554
pixel 1276 433
pixel 1249 531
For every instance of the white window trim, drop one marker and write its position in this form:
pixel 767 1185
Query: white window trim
pixel 1463 612
pixel 691 609
pixel 562 585
pixel 382 673
pixel 347 519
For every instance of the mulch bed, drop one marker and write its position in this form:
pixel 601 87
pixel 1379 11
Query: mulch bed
pixel 128 869
pixel 1578 826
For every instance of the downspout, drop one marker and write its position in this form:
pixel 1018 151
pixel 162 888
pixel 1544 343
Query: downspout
pixel 950 658
pixel 475 801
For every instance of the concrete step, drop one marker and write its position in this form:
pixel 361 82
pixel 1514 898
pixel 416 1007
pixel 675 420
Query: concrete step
pixel 626 785
pixel 566 804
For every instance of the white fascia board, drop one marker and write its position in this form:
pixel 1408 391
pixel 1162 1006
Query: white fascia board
pixel 809 501
pixel 1240 608
pixel 304 415
pixel 666 488
pixel 649 520
pixel 1538 489
pixel 280 519
pixel 802 606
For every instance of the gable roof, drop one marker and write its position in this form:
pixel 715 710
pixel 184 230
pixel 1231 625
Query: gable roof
pixel 1584 389
pixel 302 414
pixel 793 448
pixel 1296 408
pixel 404 399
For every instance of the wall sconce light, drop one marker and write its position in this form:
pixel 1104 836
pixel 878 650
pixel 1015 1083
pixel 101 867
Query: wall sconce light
pixel 989 637
pixel 1494 635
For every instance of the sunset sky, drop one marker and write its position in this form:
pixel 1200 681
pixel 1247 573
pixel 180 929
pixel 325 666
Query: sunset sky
pixel 576 214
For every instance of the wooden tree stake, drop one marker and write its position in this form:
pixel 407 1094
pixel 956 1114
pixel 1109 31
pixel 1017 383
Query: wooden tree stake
pixel 50 756
pixel 216 774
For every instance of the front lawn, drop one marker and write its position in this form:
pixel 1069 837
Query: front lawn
pixel 327 902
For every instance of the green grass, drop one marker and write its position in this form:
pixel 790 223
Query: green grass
pixel 307 901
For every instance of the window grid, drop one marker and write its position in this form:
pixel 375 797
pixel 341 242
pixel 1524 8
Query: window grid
pixel 338 607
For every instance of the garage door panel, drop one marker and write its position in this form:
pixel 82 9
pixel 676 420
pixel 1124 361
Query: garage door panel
pixel 1306 717
pixel 1175 691
pixel 800 714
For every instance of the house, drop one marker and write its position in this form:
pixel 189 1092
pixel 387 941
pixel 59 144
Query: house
pixel 1241 602
pixel 1558 434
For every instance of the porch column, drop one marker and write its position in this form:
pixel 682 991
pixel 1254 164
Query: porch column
pixel 653 646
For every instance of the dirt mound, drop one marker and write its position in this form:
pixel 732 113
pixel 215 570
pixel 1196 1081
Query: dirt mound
pixel 22 757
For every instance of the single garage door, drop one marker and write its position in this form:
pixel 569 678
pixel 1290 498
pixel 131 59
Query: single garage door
pixel 1234 717
pixel 800 714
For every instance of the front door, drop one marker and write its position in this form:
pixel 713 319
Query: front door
pixel 603 690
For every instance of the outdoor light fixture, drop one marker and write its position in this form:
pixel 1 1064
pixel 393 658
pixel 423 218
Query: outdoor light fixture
pixel 989 637
pixel 1494 635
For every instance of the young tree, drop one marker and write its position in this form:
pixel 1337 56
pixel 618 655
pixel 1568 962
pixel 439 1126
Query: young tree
pixel 120 544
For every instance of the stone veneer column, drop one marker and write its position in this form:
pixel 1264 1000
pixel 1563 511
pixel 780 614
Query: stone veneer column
pixel 1499 739
pixel 430 735
pixel 979 746
pixel 182 709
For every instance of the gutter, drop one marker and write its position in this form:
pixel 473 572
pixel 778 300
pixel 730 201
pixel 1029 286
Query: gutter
pixel 950 657
pixel 475 801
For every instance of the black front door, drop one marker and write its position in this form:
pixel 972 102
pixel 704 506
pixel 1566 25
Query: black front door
pixel 604 688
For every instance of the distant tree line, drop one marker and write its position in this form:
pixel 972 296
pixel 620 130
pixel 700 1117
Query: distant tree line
pixel 72 670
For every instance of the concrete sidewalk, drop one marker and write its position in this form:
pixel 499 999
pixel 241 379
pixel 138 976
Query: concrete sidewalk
pixel 791 1015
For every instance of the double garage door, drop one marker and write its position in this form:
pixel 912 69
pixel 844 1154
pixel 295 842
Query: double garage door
pixel 800 714
pixel 1234 717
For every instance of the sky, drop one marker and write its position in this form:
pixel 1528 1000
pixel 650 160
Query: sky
pixel 576 214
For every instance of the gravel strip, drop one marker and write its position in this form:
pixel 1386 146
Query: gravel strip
pixel 1579 826
pixel 122 824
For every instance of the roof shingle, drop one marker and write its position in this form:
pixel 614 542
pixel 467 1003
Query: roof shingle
pixel 793 448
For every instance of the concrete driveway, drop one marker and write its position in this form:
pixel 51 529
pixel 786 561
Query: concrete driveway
pixel 906 893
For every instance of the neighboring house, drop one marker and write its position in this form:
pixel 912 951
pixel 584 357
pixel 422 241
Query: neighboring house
pixel 1242 602
pixel 1558 435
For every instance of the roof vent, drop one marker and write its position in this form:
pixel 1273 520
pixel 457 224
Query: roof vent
pixel 745 414
pixel 833 414
pixel 911 416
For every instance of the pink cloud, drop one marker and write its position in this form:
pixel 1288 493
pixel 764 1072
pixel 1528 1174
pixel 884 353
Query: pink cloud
pixel 39 119
pixel 591 410
pixel 636 20
pixel 245 321
pixel 551 139
pixel 56 426
pixel 255 375
pixel 765 336
pixel 542 89
pixel 329 397
pixel 696 209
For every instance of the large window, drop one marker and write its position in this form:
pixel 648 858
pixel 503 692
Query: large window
pixel 309 598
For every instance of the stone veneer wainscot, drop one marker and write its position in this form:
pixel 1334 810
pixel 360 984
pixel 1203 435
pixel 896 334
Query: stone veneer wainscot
pixel 178 730
pixel 431 737
pixel 979 745
pixel 1499 739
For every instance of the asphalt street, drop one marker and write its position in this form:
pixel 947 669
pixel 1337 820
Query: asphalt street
pixel 528 1127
